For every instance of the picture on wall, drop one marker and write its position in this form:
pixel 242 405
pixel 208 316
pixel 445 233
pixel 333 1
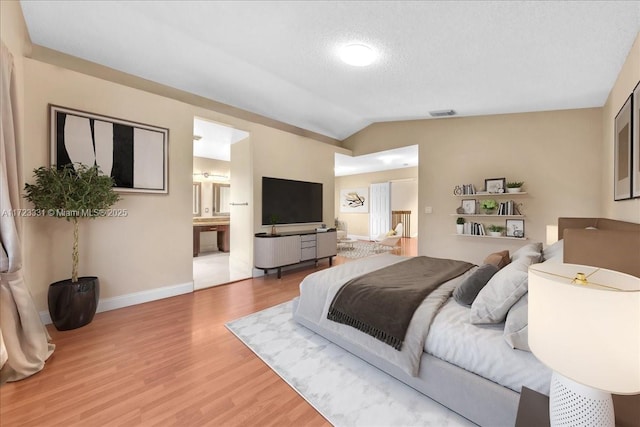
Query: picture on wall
pixel 354 200
pixel 135 155
pixel 622 153
pixel 635 150
pixel 515 227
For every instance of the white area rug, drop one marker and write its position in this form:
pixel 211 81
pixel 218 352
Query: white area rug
pixel 346 390
pixel 360 249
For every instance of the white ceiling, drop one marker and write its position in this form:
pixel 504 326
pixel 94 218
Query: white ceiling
pixel 279 59
pixel 213 141
pixel 398 158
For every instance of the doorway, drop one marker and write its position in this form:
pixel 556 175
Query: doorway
pixel 216 214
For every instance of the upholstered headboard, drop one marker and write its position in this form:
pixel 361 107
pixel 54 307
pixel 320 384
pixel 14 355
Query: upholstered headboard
pixel 601 242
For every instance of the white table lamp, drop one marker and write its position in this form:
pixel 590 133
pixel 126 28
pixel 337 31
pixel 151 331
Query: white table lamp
pixel 584 323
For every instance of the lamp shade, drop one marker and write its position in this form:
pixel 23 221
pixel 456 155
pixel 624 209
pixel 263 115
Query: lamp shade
pixel 589 333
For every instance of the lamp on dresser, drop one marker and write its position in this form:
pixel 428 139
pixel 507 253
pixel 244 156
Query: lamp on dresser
pixel 584 323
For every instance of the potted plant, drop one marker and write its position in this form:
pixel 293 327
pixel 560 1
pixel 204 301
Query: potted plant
pixel 488 205
pixel 514 187
pixel 495 230
pixel 72 192
pixel 459 225
pixel 273 219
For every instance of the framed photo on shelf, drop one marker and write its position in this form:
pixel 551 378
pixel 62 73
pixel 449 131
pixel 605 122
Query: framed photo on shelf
pixel 622 153
pixel 495 185
pixel 635 162
pixel 515 227
pixel 469 206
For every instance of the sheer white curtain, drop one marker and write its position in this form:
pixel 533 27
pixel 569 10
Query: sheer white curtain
pixel 24 341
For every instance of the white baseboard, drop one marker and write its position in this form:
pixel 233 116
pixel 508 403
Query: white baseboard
pixel 127 300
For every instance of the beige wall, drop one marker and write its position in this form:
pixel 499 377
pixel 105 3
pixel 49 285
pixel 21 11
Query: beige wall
pixel 404 196
pixel 626 210
pixel 151 247
pixel 293 157
pixel 556 153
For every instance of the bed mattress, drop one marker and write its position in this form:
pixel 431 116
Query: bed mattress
pixel 481 349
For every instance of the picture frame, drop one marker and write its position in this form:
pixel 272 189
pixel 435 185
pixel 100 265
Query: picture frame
pixel 354 200
pixel 635 146
pixel 622 152
pixel 515 228
pixel 469 206
pixel 495 185
pixel 135 155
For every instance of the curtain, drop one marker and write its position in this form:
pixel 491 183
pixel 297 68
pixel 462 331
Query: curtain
pixel 24 341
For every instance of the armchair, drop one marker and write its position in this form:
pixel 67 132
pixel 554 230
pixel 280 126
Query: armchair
pixel 388 240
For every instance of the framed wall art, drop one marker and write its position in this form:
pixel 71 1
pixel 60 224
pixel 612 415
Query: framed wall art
pixel 469 206
pixel 515 227
pixel 135 155
pixel 635 147
pixel 355 200
pixel 495 185
pixel 622 153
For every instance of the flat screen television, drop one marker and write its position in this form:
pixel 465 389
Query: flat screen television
pixel 291 202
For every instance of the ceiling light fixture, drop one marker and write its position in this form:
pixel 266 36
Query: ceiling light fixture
pixel 357 54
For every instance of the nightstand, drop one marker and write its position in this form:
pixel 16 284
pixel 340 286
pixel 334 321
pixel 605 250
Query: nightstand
pixel 533 409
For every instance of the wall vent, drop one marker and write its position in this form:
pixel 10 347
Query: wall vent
pixel 442 113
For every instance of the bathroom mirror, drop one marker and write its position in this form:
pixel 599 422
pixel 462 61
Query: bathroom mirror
pixel 221 200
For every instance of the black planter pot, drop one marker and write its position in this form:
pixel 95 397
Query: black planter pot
pixel 72 305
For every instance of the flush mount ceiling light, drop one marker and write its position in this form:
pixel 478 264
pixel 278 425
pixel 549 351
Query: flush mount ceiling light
pixel 357 54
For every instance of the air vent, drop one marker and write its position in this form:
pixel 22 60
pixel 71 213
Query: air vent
pixel 442 113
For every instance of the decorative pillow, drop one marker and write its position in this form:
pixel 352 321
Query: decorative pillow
pixel 467 291
pixel 500 294
pixel 554 251
pixel 499 259
pixel 516 326
pixel 532 252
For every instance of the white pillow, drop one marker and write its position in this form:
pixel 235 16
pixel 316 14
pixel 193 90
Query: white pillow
pixel 554 251
pixel 503 290
pixel 532 251
pixel 516 326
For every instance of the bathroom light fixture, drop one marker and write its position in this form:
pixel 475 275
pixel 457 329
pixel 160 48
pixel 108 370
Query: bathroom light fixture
pixel 357 54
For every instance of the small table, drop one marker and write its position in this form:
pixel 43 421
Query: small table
pixel 346 243
pixel 533 409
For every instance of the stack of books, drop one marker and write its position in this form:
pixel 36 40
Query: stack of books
pixel 473 228
pixel 508 208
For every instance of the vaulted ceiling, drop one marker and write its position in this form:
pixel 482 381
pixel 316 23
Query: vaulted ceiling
pixel 280 59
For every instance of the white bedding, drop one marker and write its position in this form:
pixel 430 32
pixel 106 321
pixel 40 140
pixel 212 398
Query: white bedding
pixel 483 350
pixel 318 289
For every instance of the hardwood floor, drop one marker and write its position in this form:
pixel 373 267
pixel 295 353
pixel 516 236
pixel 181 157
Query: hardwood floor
pixel 167 362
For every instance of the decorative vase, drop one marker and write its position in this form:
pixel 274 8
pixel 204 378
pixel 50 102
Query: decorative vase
pixel 514 190
pixel 495 233
pixel 488 211
pixel 459 228
pixel 72 305
pixel 273 230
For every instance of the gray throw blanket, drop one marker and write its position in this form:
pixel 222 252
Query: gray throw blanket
pixel 381 303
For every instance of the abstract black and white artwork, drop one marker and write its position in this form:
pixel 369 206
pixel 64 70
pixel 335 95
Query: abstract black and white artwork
pixel 133 154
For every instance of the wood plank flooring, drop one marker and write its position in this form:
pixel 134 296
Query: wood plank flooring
pixel 167 362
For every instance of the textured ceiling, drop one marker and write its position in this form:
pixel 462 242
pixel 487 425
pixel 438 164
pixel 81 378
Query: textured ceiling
pixel 279 59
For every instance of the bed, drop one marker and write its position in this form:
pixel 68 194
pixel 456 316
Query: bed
pixel 475 369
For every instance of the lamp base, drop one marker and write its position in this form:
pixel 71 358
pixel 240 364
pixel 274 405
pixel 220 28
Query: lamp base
pixel 573 404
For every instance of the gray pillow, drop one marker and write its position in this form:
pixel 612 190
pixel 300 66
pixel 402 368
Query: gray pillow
pixel 503 290
pixel 516 332
pixel 554 251
pixel 467 291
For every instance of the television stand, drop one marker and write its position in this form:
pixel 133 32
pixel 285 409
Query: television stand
pixel 290 248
